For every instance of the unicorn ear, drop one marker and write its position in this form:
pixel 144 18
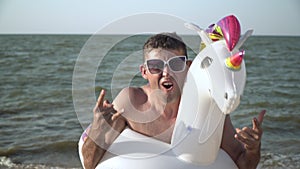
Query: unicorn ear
pixel 243 39
pixel 192 26
pixel 204 36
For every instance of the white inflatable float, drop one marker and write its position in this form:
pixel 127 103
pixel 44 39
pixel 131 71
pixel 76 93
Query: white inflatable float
pixel 214 83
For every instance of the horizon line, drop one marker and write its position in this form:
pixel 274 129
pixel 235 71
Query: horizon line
pixel 126 34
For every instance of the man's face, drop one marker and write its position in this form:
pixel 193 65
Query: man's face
pixel 169 80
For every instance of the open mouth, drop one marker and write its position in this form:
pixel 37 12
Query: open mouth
pixel 167 85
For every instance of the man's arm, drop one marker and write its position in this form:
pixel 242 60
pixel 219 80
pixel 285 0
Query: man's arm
pixel 243 145
pixel 92 153
pixel 106 127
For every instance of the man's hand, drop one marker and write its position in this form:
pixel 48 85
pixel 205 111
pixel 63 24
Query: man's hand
pixel 106 127
pixel 251 137
pixel 104 122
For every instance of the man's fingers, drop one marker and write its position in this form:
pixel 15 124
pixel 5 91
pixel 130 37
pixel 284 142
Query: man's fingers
pixel 250 137
pixel 247 139
pixel 261 116
pixel 242 136
pixel 100 98
pixel 109 110
pixel 117 114
pixel 244 133
pixel 256 122
pixel 100 102
pixel 106 103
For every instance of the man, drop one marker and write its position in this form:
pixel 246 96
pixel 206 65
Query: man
pixel 152 109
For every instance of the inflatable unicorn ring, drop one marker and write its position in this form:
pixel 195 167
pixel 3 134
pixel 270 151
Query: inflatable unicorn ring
pixel 214 83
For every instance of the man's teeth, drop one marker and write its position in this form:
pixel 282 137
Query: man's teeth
pixel 167 85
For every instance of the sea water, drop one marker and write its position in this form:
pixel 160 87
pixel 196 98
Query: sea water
pixel 40 127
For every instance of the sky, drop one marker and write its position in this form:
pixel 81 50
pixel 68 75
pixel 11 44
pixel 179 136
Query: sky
pixel 266 17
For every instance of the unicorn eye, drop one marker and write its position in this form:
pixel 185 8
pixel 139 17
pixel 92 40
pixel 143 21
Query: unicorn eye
pixel 206 62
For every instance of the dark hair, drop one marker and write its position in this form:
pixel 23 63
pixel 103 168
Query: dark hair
pixel 164 41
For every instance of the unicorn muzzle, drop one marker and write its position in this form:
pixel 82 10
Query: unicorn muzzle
pixel 232 100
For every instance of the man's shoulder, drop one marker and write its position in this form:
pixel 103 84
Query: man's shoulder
pixel 132 94
pixel 130 97
pixel 132 91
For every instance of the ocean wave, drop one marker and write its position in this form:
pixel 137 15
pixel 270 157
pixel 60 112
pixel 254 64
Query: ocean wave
pixel 280 161
pixel 268 161
pixel 55 155
pixel 6 163
pixel 63 146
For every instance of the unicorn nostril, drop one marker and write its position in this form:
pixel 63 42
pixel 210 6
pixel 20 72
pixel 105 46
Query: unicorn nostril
pixel 226 96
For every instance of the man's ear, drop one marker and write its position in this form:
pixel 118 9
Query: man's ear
pixel 143 71
pixel 188 63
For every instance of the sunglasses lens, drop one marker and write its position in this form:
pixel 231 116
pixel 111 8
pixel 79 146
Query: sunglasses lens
pixel 177 64
pixel 155 66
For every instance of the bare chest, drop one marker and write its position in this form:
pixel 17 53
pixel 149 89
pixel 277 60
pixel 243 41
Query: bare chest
pixel 160 128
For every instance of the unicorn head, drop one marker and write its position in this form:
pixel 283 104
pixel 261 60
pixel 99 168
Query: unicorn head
pixel 215 81
pixel 220 57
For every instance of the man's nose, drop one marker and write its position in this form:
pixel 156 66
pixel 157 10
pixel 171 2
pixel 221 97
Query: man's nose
pixel 166 70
